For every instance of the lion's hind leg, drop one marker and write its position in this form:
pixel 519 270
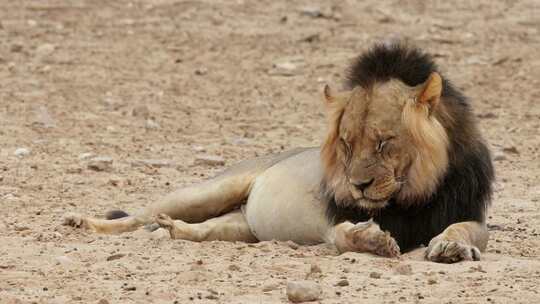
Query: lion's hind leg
pixel 106 226
pixel 193 204
pixel 231 227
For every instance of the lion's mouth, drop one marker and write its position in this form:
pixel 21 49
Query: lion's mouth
pixel 363 199
pixel 372 204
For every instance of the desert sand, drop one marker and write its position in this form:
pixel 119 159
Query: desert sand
pixel 174 91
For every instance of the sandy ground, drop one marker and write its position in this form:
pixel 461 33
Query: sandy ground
pixel 173 80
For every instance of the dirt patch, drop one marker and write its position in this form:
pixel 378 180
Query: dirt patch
pixel 170 92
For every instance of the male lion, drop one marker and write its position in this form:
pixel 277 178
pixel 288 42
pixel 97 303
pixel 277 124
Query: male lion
pixel 403 155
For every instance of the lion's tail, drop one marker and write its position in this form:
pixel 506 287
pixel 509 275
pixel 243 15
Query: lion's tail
pixel 115 214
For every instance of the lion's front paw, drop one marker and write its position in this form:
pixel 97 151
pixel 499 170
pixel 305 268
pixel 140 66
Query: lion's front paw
pixel 388 247
pixel 443 251
pixel 368 236
pixel 73 219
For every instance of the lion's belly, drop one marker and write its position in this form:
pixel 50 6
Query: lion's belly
pixel 284 201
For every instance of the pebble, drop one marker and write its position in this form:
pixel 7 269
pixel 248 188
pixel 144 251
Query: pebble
pixel 151 124
pixel 312 11
pixel 73 170
pixel 431 281
pixel 21 152
pixel 403 269
pixel 342 283
pixel 499 156
pixel 284 69
pixel 375 275
pixel 115 257
pixel 154 163
pixel 512 150
pixel 63 260
pixel 201 71
pixel 102 301
pixel 102 163
pixel 210 160
pixel 84 156
pixel 303 291
pixel 199 149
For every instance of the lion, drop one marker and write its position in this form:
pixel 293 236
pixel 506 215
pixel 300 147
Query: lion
pixel 403 166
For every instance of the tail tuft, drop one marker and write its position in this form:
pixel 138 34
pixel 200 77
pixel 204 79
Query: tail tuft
pixel 115 214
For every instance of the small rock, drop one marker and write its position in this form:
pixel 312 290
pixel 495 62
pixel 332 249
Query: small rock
pixel 102 163
pixel 431 281
pixel 210 160
pixel 151 124
pixel 21 152
pixel 303 291
pixel 141 111
pixel 312 11
pixel 487 115
pixel 73 170
pixel 499 156
pixel 115 257
pixel 512 150
pixel 312 38
pixel 375 275
pixel 199 149
pixel 201 71
pixel 403 269
pixel 21 228
pixel 63 260
pixel 284 69
pixel 103 301
pixel 154 163
pixel 234 267
pixel 85 156
pixel 342 283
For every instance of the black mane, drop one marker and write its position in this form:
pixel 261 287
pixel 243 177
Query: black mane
pixel 464 192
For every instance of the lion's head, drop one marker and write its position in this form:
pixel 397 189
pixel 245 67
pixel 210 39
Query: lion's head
pixel 386 138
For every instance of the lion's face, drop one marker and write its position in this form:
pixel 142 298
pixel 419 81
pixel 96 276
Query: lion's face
pixel 384 142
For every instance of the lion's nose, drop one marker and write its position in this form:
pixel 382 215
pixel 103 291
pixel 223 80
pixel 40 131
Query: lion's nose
pixel 363 185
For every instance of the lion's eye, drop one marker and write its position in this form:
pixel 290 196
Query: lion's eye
pixel 382 143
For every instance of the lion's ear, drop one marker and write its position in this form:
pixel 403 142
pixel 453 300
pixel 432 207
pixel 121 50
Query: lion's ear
pixel 430 91
pixel 332 98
